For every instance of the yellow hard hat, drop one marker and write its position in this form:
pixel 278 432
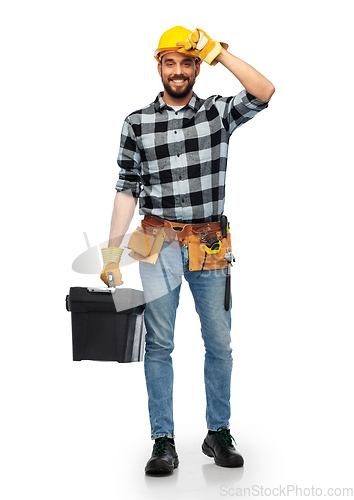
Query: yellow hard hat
pixel 169 39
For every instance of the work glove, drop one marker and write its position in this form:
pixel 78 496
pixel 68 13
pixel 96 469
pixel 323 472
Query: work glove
pixel 199 44
pixel 111 257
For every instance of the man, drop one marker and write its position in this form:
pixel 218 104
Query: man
pixel 173 157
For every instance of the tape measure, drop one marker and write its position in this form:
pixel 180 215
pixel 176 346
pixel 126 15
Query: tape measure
pixel 213 245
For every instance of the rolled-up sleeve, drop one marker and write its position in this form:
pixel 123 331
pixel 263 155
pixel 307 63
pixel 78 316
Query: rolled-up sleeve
pixel 239 109
pixel 129 161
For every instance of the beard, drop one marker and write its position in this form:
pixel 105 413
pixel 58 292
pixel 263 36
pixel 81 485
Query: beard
pixel 178 93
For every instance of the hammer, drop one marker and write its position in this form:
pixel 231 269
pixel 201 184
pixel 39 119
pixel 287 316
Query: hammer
pixel 229 257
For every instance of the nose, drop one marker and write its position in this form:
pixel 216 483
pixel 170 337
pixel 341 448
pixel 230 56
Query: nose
pixel 179 69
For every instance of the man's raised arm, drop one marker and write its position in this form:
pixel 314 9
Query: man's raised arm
pixel 199 44
pixel 253 81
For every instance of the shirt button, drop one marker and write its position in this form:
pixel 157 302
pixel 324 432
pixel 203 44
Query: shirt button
pixel 176 113
pixel 180 177
pixel 175 131
pixel 178 156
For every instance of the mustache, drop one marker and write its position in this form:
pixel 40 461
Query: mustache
pixel 178 77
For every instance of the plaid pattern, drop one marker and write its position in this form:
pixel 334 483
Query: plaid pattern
pixel 175 161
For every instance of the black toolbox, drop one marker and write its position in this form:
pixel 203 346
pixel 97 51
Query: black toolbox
pixel 107 324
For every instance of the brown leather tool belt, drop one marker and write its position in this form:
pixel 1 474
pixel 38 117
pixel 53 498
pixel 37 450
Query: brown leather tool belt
pixel 147 240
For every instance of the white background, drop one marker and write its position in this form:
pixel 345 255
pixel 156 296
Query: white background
pixel 71 72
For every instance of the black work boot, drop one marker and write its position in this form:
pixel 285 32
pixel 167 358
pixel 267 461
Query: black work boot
pixel 218 445
pixel 164 457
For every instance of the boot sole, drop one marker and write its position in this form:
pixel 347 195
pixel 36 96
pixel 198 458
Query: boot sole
pixel 162 467
pixel 209 452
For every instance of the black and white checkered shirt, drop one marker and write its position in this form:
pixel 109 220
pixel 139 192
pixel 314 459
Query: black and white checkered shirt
pixel 175 161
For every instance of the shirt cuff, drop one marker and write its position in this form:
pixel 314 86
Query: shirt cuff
pixel 132 187
pixel 255 100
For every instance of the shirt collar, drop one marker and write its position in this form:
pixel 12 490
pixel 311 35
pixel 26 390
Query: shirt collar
pixel 160 103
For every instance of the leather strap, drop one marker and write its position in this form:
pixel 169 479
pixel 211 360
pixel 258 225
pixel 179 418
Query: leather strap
pixel 180 230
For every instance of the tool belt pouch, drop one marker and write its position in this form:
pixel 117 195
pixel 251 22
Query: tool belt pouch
pixel 196 248
pixel 146 242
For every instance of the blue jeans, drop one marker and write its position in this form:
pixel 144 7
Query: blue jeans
pixel 162 284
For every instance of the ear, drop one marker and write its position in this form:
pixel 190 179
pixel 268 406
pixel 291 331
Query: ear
pixel 159 69
pixel 197 68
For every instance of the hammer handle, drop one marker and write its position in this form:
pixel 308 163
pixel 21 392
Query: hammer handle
pixel 227 292
pixel 223 224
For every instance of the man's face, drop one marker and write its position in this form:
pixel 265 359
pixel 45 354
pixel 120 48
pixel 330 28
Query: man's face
pixel 178 73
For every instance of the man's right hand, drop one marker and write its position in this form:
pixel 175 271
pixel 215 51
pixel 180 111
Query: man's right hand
pixel 111 257
pixel 199 44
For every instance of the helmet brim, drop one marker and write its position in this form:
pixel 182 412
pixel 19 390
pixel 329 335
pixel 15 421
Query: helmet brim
pixel 161 52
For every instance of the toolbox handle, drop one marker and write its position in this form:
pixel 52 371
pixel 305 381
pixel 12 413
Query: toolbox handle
pixel 111 286
pixel 110 280
pixel 101 289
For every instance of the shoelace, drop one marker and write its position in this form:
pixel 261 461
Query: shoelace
pixel 160 445
pixel 225 437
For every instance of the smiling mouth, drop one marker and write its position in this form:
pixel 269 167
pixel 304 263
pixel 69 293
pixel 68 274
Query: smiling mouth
pixel 178 81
